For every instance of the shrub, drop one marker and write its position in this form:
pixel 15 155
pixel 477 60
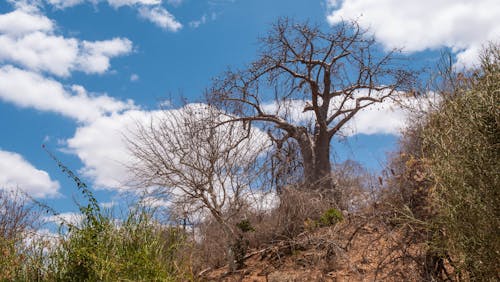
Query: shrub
pixel 331 217
pixel 17 222
pixel 462 143
pixel 103 248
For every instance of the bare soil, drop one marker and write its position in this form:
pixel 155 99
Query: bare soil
pixel 358 249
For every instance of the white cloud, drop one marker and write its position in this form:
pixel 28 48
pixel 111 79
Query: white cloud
pixel 40 52
pixel 381 118
pixel 72 218
pixel 134 77
pixel 31 90
pixel 197 23
pixel 101 147
pixel 94 57
pixel 18 173
pixel 120 3
pixel 387 117
pixel 161 17
pixel 108 205
pixel 462 25
pixel 63 4
pixel 290 110
pixel 21 22
pixel 262 201
pixel 28 39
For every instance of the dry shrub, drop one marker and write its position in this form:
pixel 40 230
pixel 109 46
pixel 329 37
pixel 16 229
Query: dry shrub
pixel 462 142
pixel 297 210
pixel 301 209
pixel 18 219
pixel 210 246
pixel 355 185
pixel 443 191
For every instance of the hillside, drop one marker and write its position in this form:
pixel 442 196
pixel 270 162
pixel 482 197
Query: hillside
pixel 356 249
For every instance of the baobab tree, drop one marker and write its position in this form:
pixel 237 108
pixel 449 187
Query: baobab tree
pixel 306 84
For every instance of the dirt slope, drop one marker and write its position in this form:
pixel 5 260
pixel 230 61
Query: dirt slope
pixel 357 249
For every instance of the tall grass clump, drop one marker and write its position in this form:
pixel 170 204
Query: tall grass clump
pixel 102 248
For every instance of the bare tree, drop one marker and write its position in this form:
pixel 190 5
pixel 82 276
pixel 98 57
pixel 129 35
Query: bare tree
pixel 201 167
pixel 333 75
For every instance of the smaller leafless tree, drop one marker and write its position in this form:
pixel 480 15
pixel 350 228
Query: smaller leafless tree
pixel 201 168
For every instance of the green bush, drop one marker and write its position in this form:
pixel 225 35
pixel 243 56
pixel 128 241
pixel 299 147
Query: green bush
pixel 103 248
pixel 245 226
pixel 330 217
pixel 135 250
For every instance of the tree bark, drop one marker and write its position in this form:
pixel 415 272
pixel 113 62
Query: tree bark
pixel 317 167
pixel 322 165
pixel 231 238
pixel 316 161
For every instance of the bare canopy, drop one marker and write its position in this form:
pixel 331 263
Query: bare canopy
pixel 333 74
pixel 199 167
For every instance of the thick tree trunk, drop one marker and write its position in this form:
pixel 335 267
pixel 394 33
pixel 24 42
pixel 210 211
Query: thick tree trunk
pixel 316 160
pixel 230 241
pixel 231 258
pixel 322 166
pixel 317 167
pixel 308 160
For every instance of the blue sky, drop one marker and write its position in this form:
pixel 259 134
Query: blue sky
pixel 73 73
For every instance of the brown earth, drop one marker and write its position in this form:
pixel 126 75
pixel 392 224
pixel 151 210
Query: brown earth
pixel 358 249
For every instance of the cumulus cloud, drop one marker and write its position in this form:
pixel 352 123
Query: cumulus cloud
pixel 62 4
pixel 290 110
pixel 18 173
pixel 461 25
pixel 387 117
pixel 27 89
pixel 21 22
pixel 40 52
pixel 101 147
pixel 161 17
pixel 94 57
pixel 381 118
pixel 30 49
pixel 72 218
pixel 28 39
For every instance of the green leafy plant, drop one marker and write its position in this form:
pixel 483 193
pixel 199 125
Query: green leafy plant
pixel 330 217
pixel 103 248
pixel 245 226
